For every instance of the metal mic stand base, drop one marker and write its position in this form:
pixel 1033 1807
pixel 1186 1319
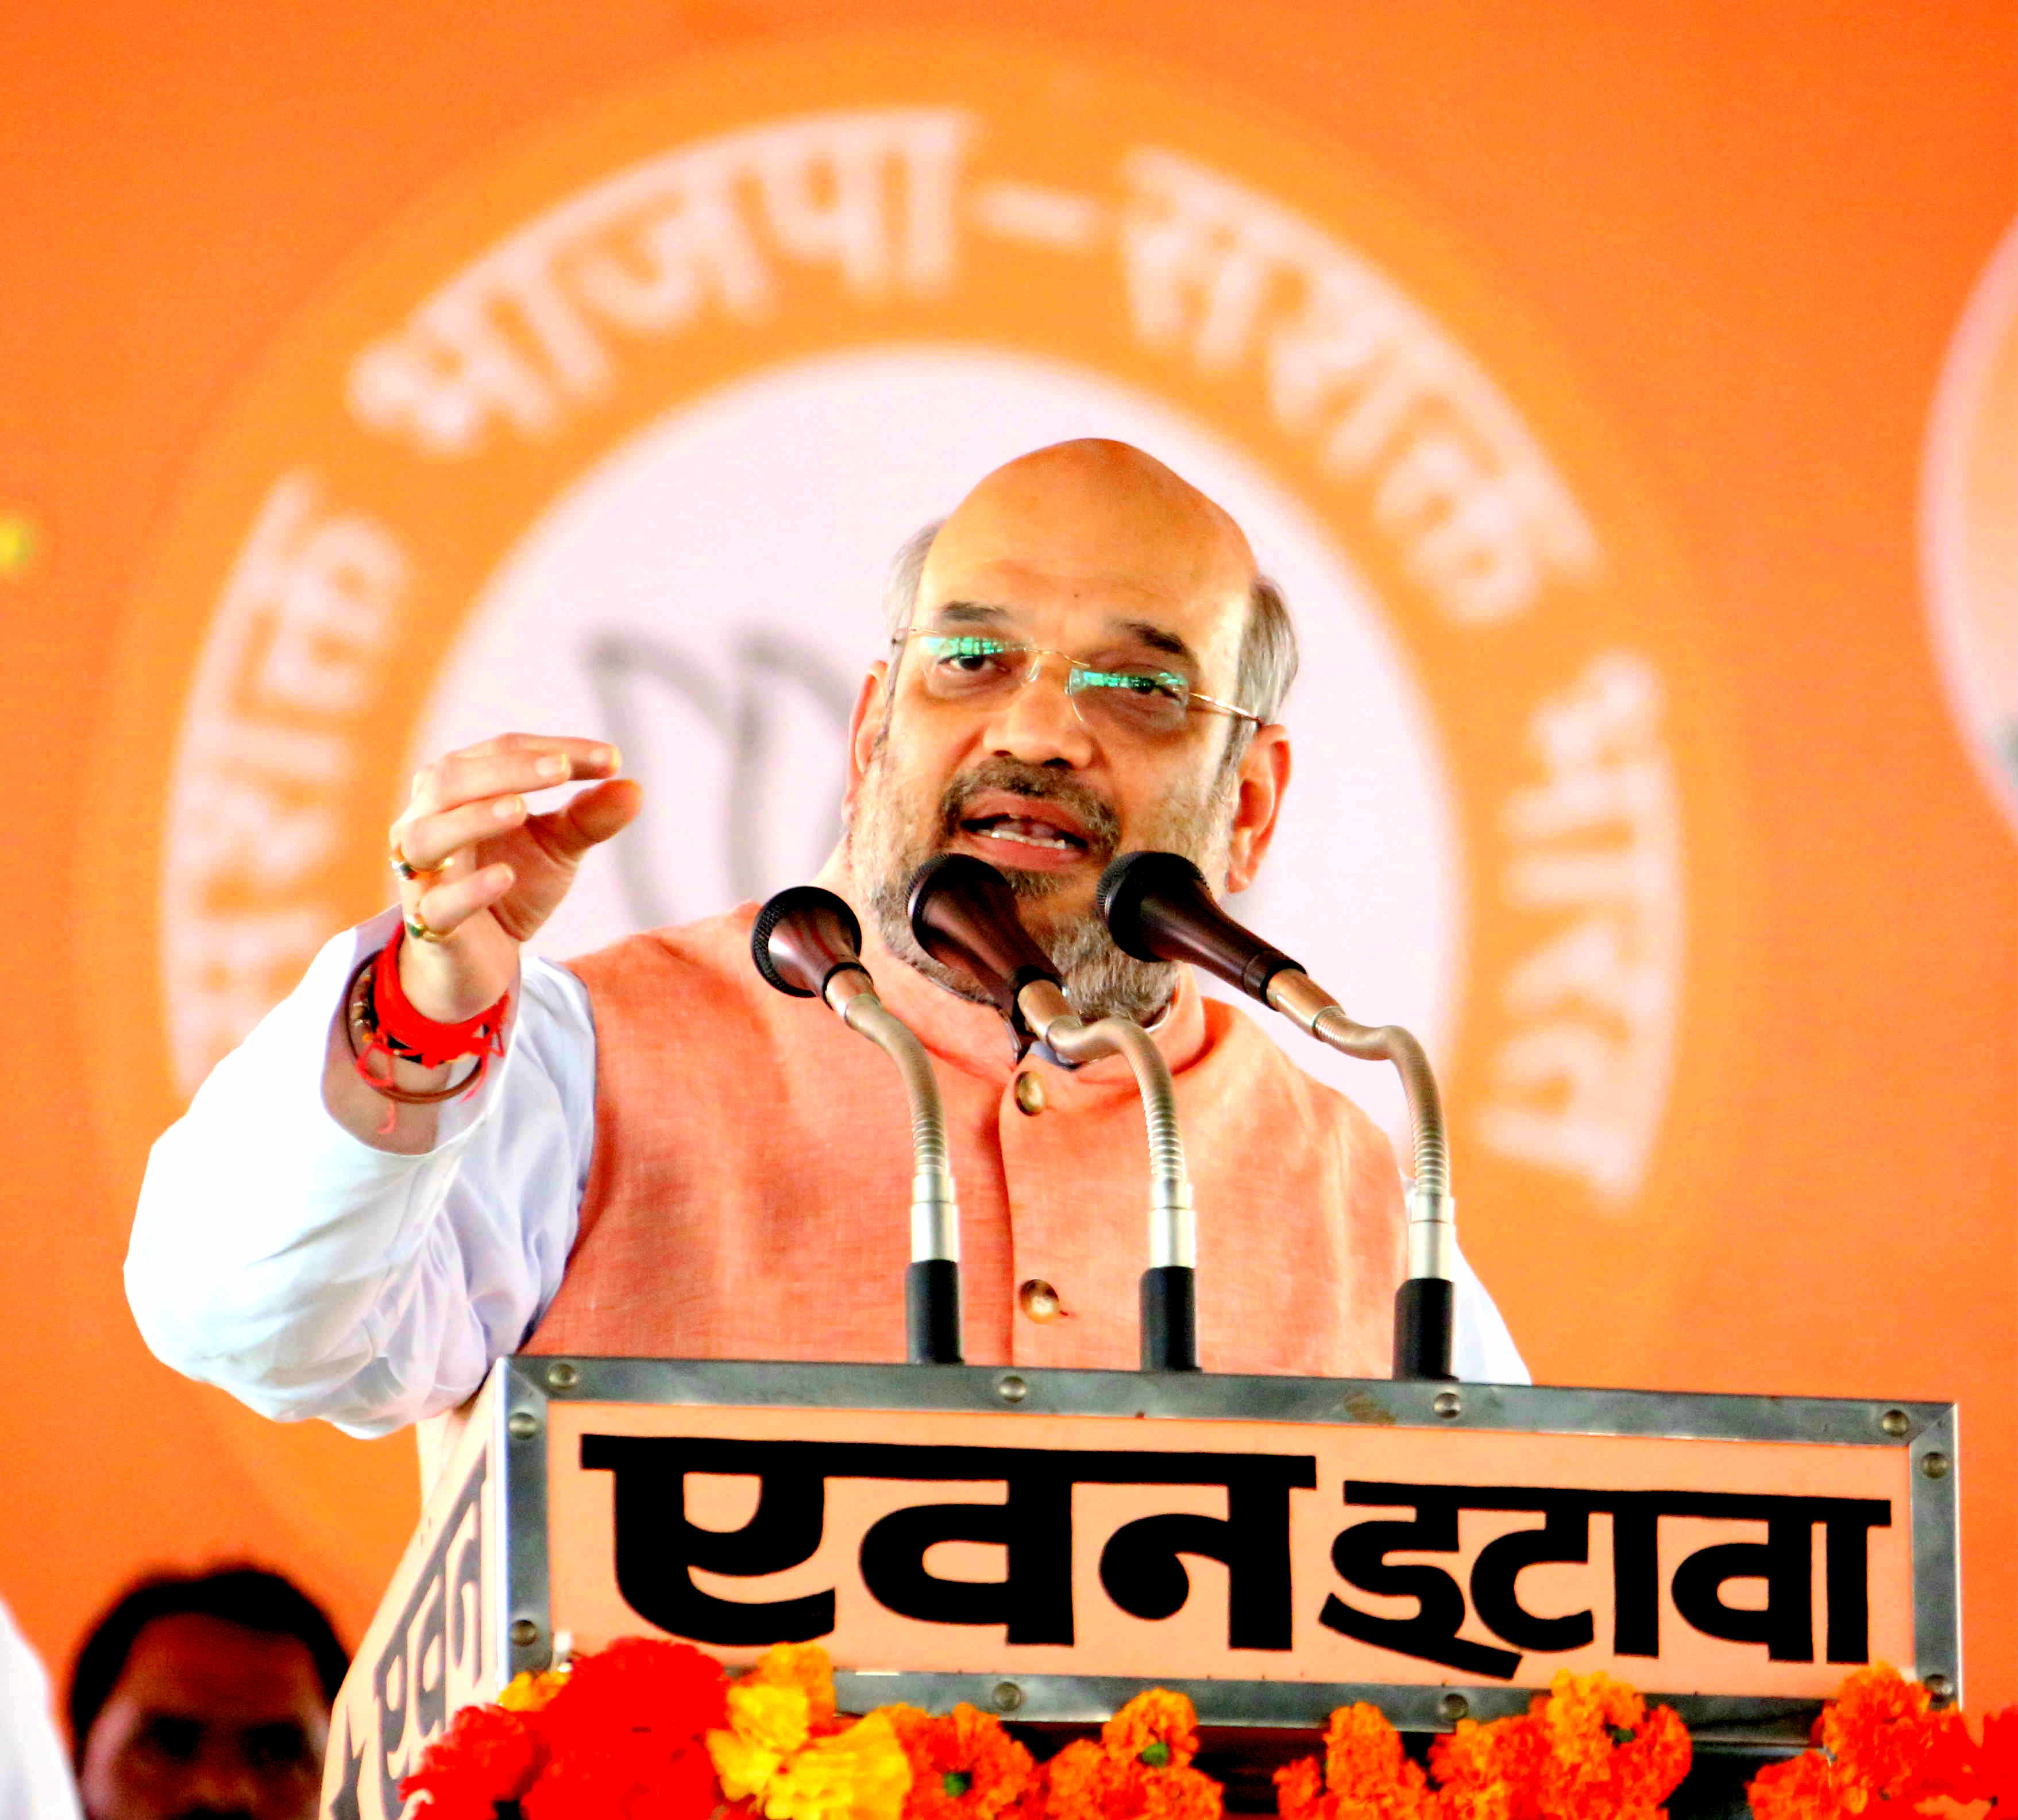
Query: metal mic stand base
pixel 1170 1318
pixel 931 1312
pixel 1423 1307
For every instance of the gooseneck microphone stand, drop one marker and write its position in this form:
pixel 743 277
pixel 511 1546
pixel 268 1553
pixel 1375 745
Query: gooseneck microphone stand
pixel 1158 907
pixel 807 944
pixel 964 914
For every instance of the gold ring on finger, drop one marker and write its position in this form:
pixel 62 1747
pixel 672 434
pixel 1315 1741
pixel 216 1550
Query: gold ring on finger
pixel 406 868
pixel 417 927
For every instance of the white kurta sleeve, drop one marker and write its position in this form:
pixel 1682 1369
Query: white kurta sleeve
pixel 275 1255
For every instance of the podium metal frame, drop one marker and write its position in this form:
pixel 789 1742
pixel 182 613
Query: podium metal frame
pixel 522 1619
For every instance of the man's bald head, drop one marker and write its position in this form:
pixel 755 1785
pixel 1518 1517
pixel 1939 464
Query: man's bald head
pixel 1104 512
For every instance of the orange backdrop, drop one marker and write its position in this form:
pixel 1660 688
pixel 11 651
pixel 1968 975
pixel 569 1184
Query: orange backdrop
pixel 1718 256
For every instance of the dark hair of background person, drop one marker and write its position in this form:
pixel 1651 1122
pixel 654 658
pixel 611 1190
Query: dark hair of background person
pixel 246 1596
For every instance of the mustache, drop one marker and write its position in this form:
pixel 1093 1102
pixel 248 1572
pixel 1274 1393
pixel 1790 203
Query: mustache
pixel 1093 813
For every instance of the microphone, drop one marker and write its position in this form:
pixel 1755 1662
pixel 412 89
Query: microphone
pixel 963 913
pixel 1158 907
pixel 803 937
pixel 807 943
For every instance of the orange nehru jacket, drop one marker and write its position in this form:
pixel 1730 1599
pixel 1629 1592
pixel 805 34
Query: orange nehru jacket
pixel 750 1192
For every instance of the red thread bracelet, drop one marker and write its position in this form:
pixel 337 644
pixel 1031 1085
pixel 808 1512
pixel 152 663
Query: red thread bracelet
pixel 405 1034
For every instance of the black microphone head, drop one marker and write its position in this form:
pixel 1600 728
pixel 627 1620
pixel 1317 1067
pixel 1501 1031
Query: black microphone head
pixel 1158 907
pixel 801 937
pixel 963 913
pixel 1132 878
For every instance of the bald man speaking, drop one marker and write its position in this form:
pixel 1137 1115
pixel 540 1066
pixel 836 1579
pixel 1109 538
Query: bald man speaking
pixel 666 1158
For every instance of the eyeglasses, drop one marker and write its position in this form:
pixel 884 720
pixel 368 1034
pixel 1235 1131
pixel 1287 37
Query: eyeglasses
pixel 978 670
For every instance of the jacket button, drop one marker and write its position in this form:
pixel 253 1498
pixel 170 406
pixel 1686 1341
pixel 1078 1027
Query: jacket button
pixel 1039 1301
pixel 1029 1094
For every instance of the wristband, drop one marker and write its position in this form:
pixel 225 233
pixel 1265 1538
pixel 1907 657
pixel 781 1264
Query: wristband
pixel 379 1019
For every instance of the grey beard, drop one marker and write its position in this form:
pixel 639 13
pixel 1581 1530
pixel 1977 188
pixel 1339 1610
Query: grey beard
pixel 889 839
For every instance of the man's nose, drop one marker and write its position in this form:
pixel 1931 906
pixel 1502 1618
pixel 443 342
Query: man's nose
pixel 222 1781
pixel 1038 723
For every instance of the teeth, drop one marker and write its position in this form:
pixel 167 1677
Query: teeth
pixel 1029 840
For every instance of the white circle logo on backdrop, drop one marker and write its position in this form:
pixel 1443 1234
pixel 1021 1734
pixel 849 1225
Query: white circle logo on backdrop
pixel 709 595
pixel 1969 525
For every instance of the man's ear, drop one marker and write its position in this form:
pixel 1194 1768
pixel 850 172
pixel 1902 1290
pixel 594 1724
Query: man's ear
pixel 865 727
pixel 1265 774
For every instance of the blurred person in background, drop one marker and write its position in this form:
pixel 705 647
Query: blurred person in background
pixel 203 1697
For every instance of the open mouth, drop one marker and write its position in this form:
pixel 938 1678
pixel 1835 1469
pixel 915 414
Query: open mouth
pixel 1025 832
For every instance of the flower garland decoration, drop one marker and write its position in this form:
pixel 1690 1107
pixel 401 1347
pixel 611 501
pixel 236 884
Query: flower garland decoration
pixel 965 1766
pixel 619 1735
pixel 1589 1749
pixel 654 1730
pixel 1883 1739
pixel 1606 1751
pixel 1140 1769
pixel 785 1751
pixel 1365 1774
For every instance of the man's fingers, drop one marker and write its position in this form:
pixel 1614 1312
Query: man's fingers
pixel 429 842
pixel 566 745
pixel 473 775
pixel 571 830
pixel 444 908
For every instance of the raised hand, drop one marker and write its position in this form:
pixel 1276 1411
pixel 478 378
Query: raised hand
pixel 482 872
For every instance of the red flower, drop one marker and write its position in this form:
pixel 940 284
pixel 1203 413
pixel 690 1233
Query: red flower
pixel 626 1778
pixel 623 1736
pixel 487 1755
pixel 639 1684
pixel 1996 1760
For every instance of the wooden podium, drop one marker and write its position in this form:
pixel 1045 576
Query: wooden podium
pixel 1044 1544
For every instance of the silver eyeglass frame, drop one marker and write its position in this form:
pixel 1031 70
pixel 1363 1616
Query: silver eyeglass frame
pixel 1193 698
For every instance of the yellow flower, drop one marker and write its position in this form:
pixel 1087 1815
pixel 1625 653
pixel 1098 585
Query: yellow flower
pixel 804 1666
pixel 862 1773
pixel 527 1692
pixel 766 1725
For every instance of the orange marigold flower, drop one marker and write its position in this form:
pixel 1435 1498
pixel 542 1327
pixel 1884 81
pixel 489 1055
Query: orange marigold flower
pixel 1490 1771
pixel 1365 1766
pixel 1300 1793
pixel 1078 1778
pixel 1174 1794
pixel 1366 1777
pixel 1884 1733
pixel 1807 1787
pixel 964 1766
pixel 1158 1729
pixel 1140 1770
pixel 1605 1749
